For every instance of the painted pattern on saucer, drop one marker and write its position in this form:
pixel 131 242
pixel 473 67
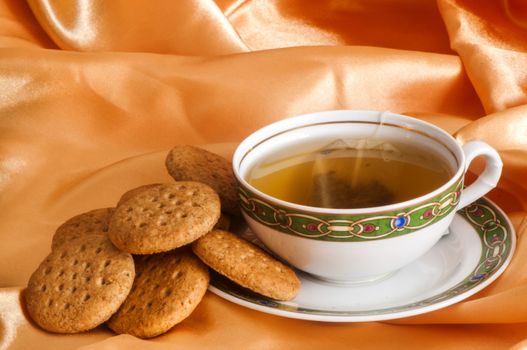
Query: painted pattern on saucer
pixel 476 251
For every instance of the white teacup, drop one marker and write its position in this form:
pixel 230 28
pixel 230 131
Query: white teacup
pixel 357 245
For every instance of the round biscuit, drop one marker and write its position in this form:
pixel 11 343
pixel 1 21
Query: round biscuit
pixel 166 290
pixel 247 265
pixel 135 191
pixel 80 285
pixel 188 163
pixel 164 217
pixel 93 222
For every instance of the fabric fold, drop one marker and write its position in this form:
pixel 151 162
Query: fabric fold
pixel 189 27
pixel 492 44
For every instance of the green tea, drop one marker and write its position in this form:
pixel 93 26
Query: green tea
pixel 350 177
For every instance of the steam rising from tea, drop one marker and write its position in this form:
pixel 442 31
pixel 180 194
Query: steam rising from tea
pixel 351 174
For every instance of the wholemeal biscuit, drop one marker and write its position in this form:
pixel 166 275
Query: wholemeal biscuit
pixel 188 163
pixel 164 217
pixel 168 287
pixel 134 191
pixel 247 265
pixel 93 222
pixel 79 285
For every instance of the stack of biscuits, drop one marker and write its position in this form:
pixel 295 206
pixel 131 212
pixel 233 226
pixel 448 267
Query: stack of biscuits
pixel 142 267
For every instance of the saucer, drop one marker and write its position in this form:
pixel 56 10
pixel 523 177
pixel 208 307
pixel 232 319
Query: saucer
pixel 477 249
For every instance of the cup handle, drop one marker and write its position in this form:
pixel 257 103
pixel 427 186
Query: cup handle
pixel 490 176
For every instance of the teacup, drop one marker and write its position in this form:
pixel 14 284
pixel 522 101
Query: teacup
pixel 359 244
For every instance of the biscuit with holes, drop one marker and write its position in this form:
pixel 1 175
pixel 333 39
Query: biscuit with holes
pixel 166 290
pixel 188 163
pixel 134 191
pixel 247 265
pixel 80 285
pixel 93 222
pixel 164 217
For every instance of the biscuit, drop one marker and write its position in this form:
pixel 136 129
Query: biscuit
pixel 80 285
pixel 247 265
pixel 168 287
pixel 188 163
pixel 164 217
pixel 133 192
pixel 94 222
pixel 224 222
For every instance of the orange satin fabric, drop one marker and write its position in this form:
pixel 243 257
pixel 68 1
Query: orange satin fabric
pixel 94 93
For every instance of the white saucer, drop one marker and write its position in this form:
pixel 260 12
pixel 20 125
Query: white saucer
pixel 475 252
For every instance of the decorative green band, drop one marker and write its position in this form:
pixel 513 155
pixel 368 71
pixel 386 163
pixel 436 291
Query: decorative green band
pixel 350 228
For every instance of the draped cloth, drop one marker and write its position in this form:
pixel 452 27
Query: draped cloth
pixel 94 93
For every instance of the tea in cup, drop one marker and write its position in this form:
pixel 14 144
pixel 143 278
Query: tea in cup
pixel 352 196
